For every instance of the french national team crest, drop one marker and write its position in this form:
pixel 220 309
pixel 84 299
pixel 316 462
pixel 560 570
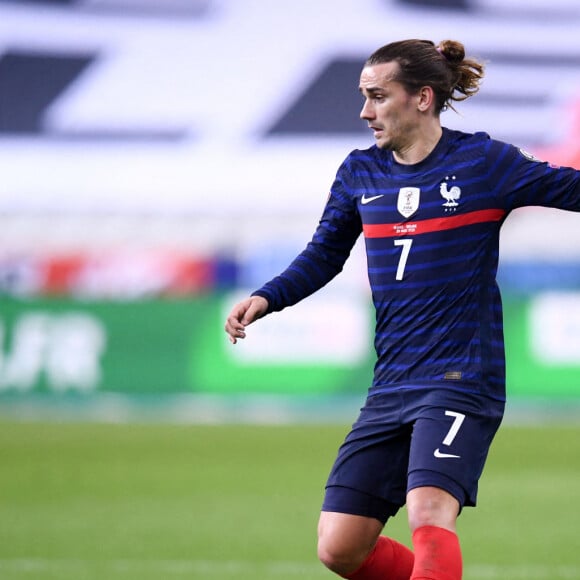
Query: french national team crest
pixel 408 201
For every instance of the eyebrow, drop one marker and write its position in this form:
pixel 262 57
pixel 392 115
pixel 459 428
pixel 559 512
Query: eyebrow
pixel 370 90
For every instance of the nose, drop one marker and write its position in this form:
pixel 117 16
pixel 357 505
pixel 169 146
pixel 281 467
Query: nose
pixel 367 111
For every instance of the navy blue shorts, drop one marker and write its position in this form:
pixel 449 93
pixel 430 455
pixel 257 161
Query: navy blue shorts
pixel 412 438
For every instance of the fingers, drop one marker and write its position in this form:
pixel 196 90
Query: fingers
pixel 235 331
pixel 242 314
pixel 234 327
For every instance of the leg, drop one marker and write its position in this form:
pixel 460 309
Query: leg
pixel 367 486
pixel 432 506
pixel 345 540
pixel 432 516
pixel 352 547
pixel 448 450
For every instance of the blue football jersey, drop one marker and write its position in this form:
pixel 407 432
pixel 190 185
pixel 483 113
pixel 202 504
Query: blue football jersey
pixel 431 233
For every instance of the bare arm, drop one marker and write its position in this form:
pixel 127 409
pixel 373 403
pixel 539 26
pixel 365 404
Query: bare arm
pixel 244 313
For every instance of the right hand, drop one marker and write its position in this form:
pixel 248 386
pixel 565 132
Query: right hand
pixel 244 313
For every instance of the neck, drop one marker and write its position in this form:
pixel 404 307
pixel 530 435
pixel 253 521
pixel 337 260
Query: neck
pixel 419 148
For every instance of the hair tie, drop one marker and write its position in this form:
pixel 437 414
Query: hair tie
pixel 440 51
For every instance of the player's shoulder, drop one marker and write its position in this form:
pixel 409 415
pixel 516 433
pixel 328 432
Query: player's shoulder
pixel 498 149
pixel 478 146
pixel 492 145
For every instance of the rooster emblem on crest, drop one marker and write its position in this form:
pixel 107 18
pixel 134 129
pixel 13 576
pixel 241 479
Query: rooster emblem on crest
pixel 450 195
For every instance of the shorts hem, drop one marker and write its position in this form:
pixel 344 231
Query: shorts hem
pixel 347 500
pixel 426 478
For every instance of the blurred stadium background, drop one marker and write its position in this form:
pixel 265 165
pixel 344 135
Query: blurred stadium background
pixel 161 158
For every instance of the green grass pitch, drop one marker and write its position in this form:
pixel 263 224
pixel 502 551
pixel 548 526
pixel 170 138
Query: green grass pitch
pixel 128 502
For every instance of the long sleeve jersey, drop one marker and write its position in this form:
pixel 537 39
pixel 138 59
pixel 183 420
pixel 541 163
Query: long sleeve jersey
pixel 431 234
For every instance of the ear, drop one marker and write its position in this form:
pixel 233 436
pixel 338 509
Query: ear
pixel 426 98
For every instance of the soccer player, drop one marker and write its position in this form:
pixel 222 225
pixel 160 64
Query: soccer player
pixel 429 202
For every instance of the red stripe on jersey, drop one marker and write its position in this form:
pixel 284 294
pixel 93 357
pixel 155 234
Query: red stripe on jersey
pixel 432 225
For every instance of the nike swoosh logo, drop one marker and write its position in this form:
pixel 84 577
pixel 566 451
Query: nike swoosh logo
pixel 364 200
pixel 441 455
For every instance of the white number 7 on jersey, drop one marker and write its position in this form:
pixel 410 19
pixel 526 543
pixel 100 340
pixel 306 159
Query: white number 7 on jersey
pixel 404 255
pixel 458 419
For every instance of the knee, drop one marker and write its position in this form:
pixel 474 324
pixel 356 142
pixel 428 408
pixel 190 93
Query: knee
pixel 345 541
pixel 431 507
pixel 338 559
